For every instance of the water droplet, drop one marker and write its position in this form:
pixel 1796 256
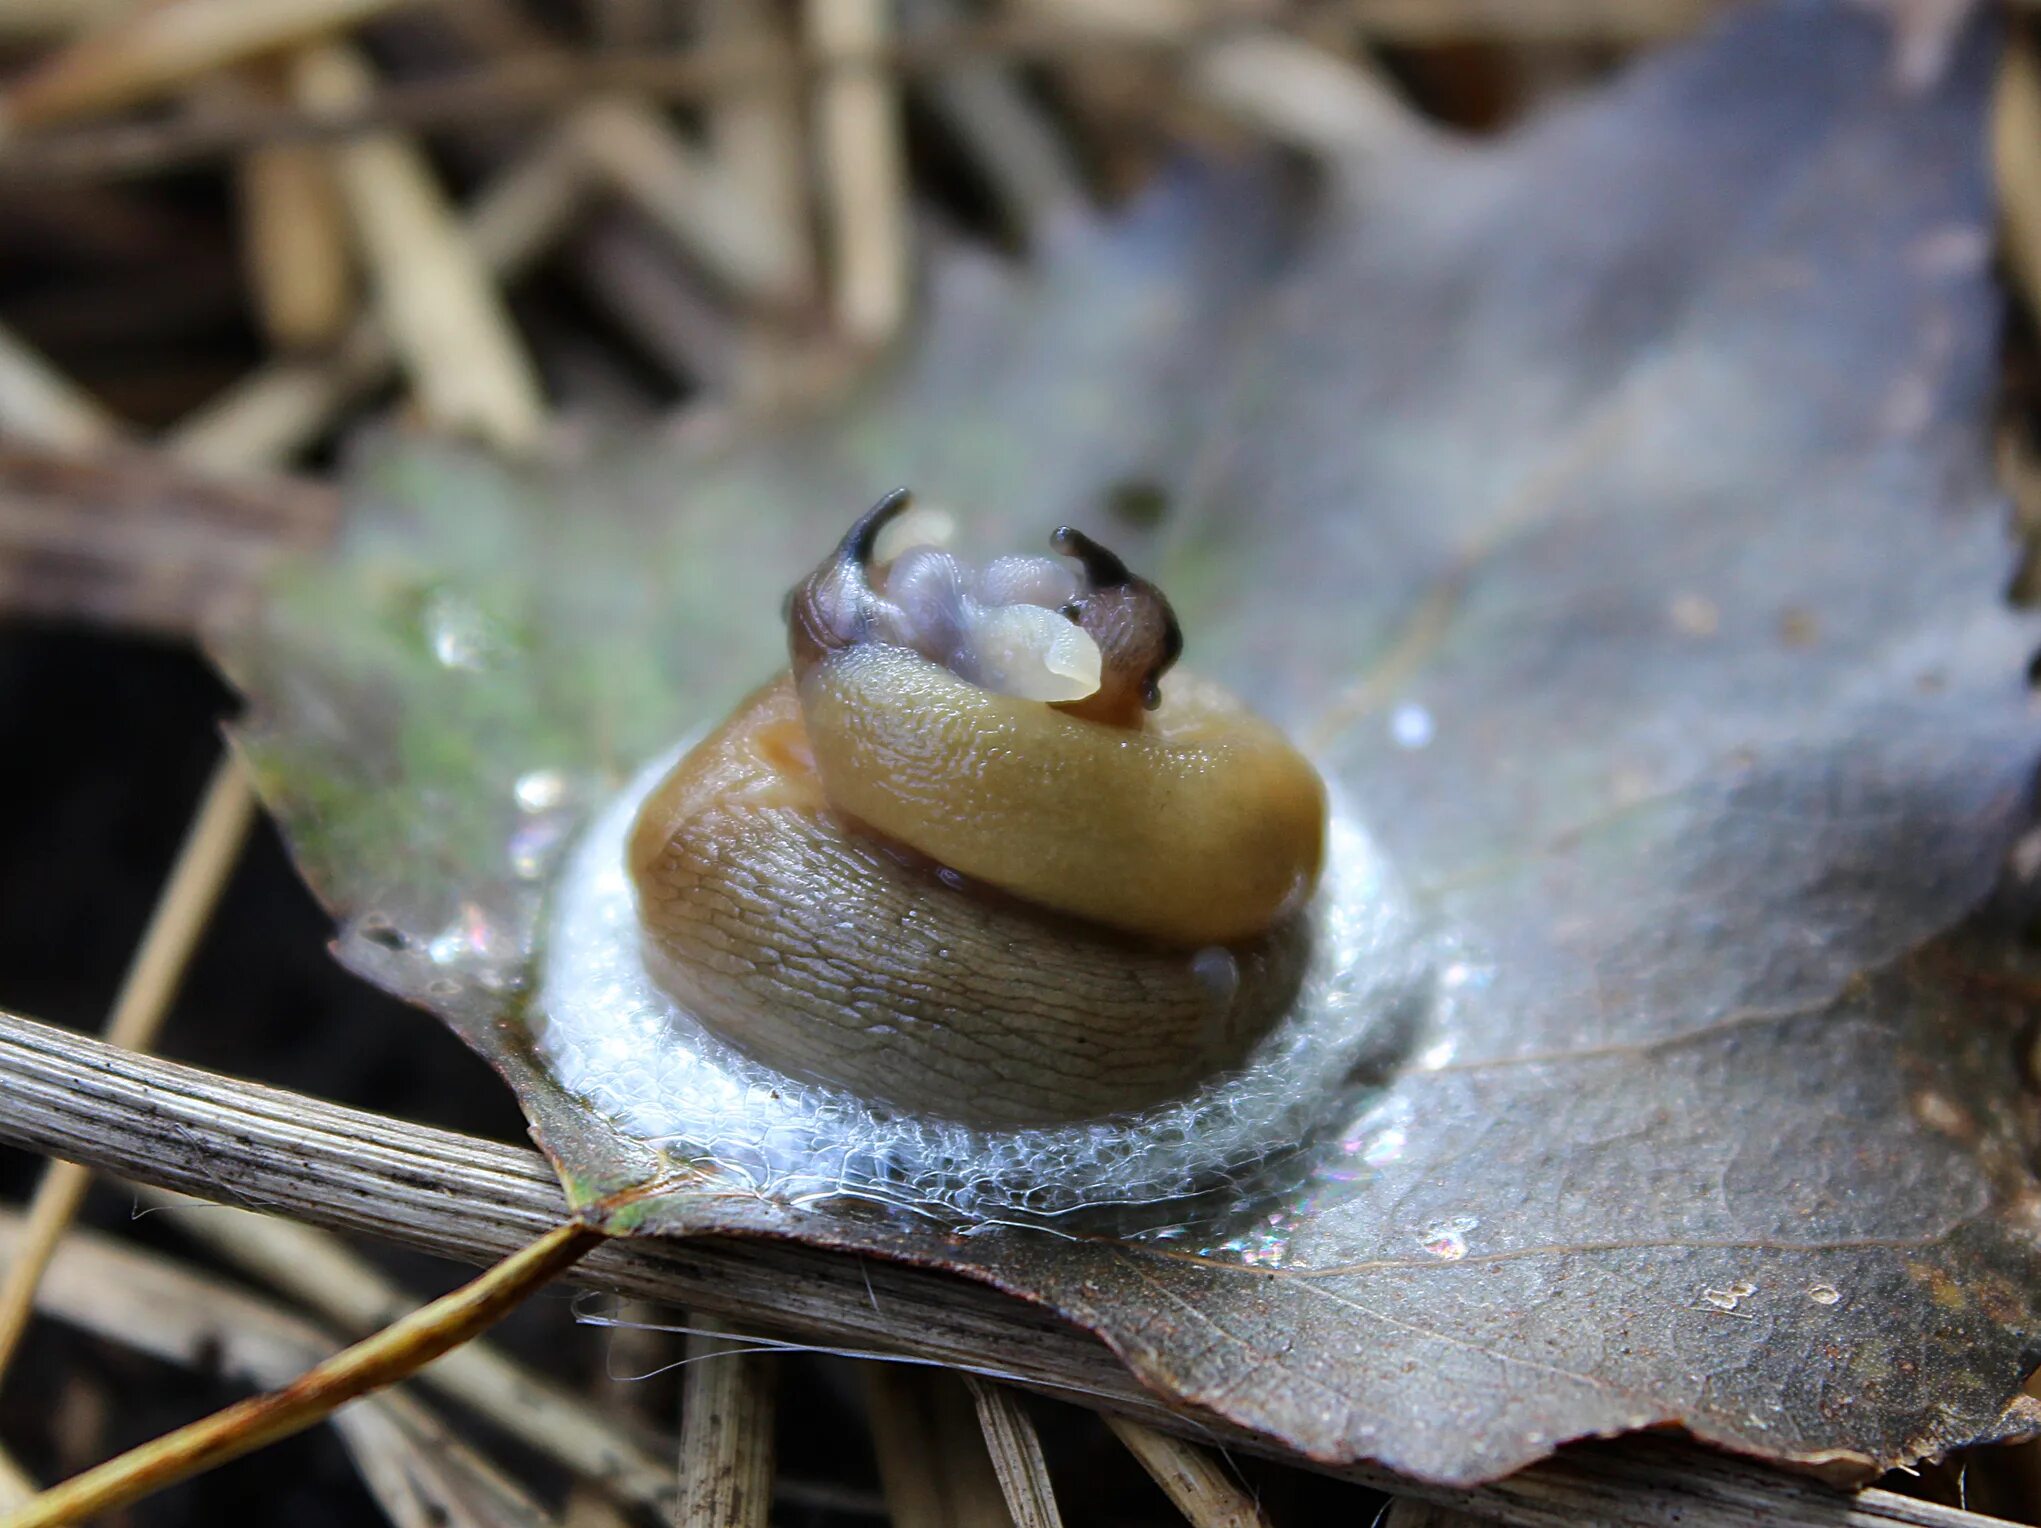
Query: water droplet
pixel 1694 615
pixel 1386 1147
pixel 1462 974
pixel 471 937
pixel 460 631
pixel 1823 1294
pixel 1731 1296
pixel 1411 725
pixel 1436 1055
pixel 541 790
pixel 1446 1240
pixel 1217 972
pixel 531 847
pixel 1265 1245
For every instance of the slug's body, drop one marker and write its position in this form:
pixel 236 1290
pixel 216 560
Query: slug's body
pixel 966 859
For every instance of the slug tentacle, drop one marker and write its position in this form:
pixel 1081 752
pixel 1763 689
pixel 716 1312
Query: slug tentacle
pixel 965 857
pixel 835 607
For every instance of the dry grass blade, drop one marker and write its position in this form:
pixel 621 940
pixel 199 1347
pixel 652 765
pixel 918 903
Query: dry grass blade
pixel 1154 22
pixel 15 1486
pixel 1281 85
pixel 756 137
pixel 1197 1483
pixel 425 1477
pixel 1016 1455
pixel 535 83
pixel 1604 22
pixel 284 406
pixel 390 1355
pixel 153 1305
pixel 151 48
pixel 707 216
pixel 857 113
pixel 127 537
pixel 1303 96
pixel 625 268
pixel 40 19
pixel 38 403
pixel 2016 150
pixel 1027 168
pixel 932 1459
pixel 318 1270
pixel 440 308
pixel 726 1435
pixel 296 244
pixel 206 857
pixel 66 1094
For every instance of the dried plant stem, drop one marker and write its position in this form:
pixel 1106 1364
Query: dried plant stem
pixel 296 244
pixel 38 403
pixel 420 1472
pixel 857 113
pixel 424 1476
pixel 708 216
pixel 442 312
pixel 210 848
pixel 1016 1455
pixel 536 82
pixel 1284 86
pixel 756 137
pixel 2016 151
pixel 35 20
pixel 317 1269
pixel 66 1094
pixel 1306 97
pixel 383 1359
pixel 1190 1477
pixel 154 47
pixel 932 1459
pixel 726 1434
pixel 283 406
pixel 1605 22
pixel 15 1485
pixel 1027 167
pixel 625 268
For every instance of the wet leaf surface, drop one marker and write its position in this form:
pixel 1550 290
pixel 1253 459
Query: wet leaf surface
pixel 1610 510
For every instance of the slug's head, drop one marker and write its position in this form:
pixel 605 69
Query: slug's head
pixel 1093 639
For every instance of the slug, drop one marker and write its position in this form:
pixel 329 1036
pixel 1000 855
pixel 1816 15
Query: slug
pixel 967 857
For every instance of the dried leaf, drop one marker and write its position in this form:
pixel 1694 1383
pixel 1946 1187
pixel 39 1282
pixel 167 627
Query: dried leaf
pixel 1610 510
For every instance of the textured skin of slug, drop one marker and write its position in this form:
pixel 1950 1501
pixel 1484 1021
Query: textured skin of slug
pixel 1200 826
pixel 820 951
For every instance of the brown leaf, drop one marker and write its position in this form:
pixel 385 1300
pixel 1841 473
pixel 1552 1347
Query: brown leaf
pixel 1610 509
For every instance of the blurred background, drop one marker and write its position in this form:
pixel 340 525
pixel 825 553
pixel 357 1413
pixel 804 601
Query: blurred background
pixel 241 232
